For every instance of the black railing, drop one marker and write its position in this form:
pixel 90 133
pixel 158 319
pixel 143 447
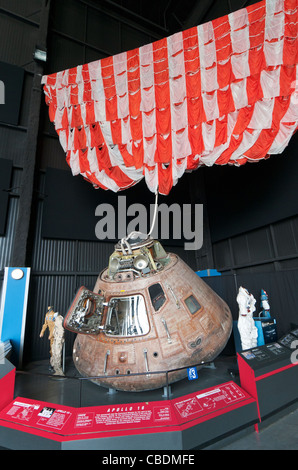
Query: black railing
pixel 166 387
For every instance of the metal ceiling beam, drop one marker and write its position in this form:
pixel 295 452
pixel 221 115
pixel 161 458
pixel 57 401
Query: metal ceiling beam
pixel 17 17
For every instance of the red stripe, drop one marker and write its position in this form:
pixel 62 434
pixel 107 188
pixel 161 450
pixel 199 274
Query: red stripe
pixel 165 178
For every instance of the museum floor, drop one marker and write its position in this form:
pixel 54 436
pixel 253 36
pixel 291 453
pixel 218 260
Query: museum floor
pixel 278 432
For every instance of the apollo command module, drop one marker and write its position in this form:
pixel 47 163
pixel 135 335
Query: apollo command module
pixel 148 313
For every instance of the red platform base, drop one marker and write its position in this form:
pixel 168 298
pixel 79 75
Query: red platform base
pixel 182 423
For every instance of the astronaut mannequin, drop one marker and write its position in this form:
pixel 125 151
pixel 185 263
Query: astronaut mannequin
pixel 246 325
pixel 49 322
pixel 54 322
pixel 57 346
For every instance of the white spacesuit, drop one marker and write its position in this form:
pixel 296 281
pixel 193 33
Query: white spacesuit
pixel 246 325
pixel 58 341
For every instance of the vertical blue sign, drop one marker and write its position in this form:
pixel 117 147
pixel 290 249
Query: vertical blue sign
pixel 14 309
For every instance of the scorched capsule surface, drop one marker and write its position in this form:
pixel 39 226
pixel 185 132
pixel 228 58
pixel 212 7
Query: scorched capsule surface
pixel 148 313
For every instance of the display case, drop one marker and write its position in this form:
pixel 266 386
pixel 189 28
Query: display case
pixel 270 375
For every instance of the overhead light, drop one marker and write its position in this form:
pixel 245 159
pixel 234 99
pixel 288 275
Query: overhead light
pixel 40 55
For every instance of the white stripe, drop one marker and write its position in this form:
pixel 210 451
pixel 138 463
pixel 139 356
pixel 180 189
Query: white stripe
pixel 207 58
pixel 63 140
pixel 178 170
pixel 94 69
pixel 240 65
pixel 282 138
pixel 151 178
pixel 238 19
pixel 120 73
pixel 180 144
pixel 149 151
pixel 92 159
pixel 239 93
pixel 149 124
pixel 74 162
pixel 64 80
pixel 179 118
pixel 147 99
pixel 240 40
pixel 99 111
pixel 273 52
pixel 208 134
pixel 125 130
pixel 270 83
pixel 123 106
pixel 210 105
pixel 262 114
pixel 146 66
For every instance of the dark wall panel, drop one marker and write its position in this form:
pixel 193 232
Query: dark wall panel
pixel 11 87
pixel 274 247
pixel 253 195
pixel 71 202
pixel 5 179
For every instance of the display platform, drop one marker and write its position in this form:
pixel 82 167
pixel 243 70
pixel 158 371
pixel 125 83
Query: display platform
pixel 269 374
pixel 183 421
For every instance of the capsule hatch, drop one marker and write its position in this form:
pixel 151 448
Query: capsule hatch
pixel 85 313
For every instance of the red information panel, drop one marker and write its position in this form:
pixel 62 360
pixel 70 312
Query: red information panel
pixel 41 415
pixel 215 400
pixel 66 423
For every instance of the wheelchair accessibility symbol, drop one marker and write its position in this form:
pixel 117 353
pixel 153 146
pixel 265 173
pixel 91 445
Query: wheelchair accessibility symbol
pixel 192 373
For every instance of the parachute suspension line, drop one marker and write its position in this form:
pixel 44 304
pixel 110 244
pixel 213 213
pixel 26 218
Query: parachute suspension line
pixel 125 246
pixel 154 215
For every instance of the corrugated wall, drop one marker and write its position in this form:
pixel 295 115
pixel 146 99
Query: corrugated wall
pixel 270 248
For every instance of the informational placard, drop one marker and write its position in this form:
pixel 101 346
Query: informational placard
pixel 266 355
pixel 288 340
pixel 214 400
pixel 66 423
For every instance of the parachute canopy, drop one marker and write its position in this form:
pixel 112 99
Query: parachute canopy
pixel 225 92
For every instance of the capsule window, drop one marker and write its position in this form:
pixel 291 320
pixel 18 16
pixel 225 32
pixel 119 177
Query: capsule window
pixel 127 316
pixel 157 296
pixel 192 304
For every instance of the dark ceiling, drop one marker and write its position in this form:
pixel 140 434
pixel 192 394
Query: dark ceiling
pixel 170 16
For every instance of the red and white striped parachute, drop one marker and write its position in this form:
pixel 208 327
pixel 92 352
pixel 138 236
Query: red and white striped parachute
pixel 225 92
